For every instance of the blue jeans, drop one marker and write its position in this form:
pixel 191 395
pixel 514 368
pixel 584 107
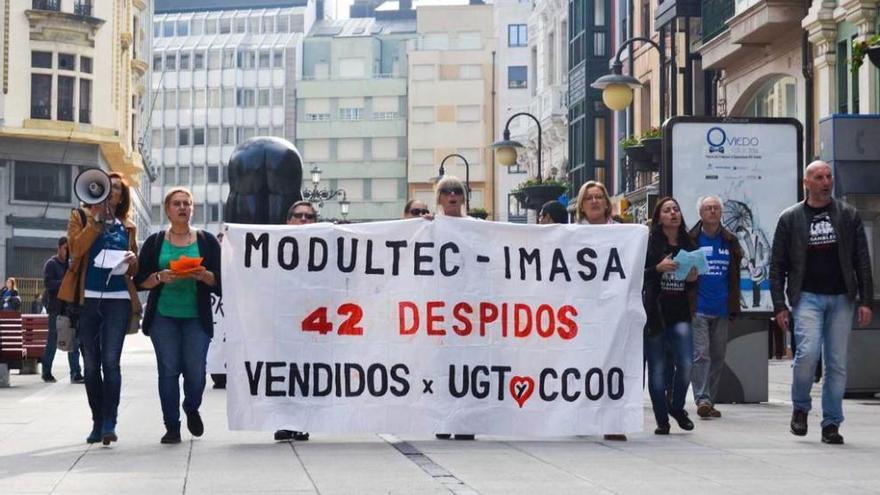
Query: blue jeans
pixel 821 328
pixel 679 341
pixel 710 346
pixel 181 346
pixel 52 346
pixel 101 332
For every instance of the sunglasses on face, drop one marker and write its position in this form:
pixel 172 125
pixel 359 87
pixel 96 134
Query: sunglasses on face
pixel 451 190
pixel 304 216
pixel 419 212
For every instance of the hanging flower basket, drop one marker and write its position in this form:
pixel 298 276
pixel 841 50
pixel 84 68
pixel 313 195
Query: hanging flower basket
pixel 871 48
pixel 637 153
pixel 478 213
pixel 652 144
pixel 539 194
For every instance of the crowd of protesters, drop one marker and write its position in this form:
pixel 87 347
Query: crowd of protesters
pixel 820 279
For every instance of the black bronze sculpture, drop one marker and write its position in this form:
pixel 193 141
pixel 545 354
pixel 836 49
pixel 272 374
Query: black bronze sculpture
pixel 265 178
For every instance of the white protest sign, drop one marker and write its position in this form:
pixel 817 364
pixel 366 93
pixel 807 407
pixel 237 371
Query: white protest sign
pixel 451 325
pixel 216 359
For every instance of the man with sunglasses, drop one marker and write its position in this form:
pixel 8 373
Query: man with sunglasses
pixel 415 209
pixel 300 213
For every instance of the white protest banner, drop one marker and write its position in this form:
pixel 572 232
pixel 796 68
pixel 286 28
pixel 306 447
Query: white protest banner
pixel 216 359
pixel 448 326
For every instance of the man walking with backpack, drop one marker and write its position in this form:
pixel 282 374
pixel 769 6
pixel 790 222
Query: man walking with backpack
pixel 53 273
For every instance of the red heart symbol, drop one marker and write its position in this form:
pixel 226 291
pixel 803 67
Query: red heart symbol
pixel 521 388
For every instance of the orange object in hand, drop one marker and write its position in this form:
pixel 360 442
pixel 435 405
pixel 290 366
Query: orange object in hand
pixel 186 265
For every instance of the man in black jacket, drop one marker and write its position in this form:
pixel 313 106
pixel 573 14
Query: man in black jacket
pixel 53 273
pixel 821 262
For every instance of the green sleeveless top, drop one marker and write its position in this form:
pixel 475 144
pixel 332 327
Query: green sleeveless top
pixel 178 298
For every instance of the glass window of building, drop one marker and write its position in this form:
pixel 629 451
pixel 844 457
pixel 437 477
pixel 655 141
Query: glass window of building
pixel 199 136
pixel 213 136
pixel 245 98
pixel 213 212
pixel 168 140
pixel 213 174
pixel 66 61
pixel 248 132
pixel 435 41
pixel 468 113
pixel 170 99
pixel 199 96
pixel 228 97
pixel 198 26
pixel 278 97
pixel 183 99
pixel 156 138
pixel 214 97
pixel 469 40
pixel 183 174
pixel 423 157
pixel 517 76
pixel 157 63
pixel 383 189
pixel 517 35
pixel 183 137
pixel 156 213
pixel 384 148
pixel 354 188
pixel 471 71
pixel 168 29
pixel 776 97
pixel 198 174
pixel 263 131
pixel 248 59
pixel 350 113
pixel 85 101
pixel 157 30
pixel 213 59
pixel 170 61
pixel 198 60
pixel 170 178
pixel 254 25
pixel 225 25
pixel 423 114
pixel 240 24
pixel 41 60
pixel 184 61
pixel 268 24
pixel 37 181
pixel 352 68
pixel 263 97
pixel 282 24
pixel 264 59
pixel 85 65
pixel 182 28
pixel 424 72
pixel 228 134
pixel 229 58
pixel 278 58
pixel 210 26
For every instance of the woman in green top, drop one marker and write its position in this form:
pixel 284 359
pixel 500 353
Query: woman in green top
pixel 178 318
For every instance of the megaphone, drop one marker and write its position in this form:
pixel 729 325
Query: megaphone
pixel 92 186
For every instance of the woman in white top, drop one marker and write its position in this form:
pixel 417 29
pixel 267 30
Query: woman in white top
pixel 593 204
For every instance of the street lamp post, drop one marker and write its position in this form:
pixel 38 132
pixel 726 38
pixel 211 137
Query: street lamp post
pixel 505 150
pixel 617 87
pixel 467 175
pixel 318 196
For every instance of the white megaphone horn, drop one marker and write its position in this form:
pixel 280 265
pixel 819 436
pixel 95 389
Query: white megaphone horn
pixel 92 186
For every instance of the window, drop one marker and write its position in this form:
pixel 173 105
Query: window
pixel 264 59
pixel 170 176
pixel 229 58
pixel 168 29
pixel 254 25
pixel 245 98
pixel 183 137
pixel 515 213
pixel 198 27
pixel 211 26
pixel 213 59
pixel 85 65
pixel 66 61
pixel 198 136
pixel 213 173
pixel 199 96
pixel 350 149
pixel 157 30
pixel 599 44
pixel 157 63
pixel 599 12
pixel 225 26
pixel 435 41
pixel 470 72
pixel 184 61
pixel 214 97
pixel 247 59
pixel 183 174
pixel 423 157
pixel 263 97
pixel 240 25
pixel 278 58
pixel 350 113
pixel 168 140
pixel 263 131
pixel 65 98
pixel 468 113
pixel 228 97
pixel 282 24
pixel 198 174
pixel 228 134
pixel 213 136
pixel 170 61
pixel 278 97
pixel 470 41
pixel 384 148
pixel 213 212
pixel 41 96
pixel 155 213
pixel 182 28
pixel 41 60
pixel 386 115
pixel 424 72
pixel 351 68
pixel 316 117
pixel 518 35
pixel 518 167
pixel 517 77
pixel 268 24
pixel 183 99
pixel 85 101
pixel 423 114
pixel 36 181
pixel 198 61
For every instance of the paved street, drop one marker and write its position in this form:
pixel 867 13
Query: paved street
pixel 43 450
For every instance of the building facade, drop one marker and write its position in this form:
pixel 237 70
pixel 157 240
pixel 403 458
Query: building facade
pixel 74 86
pixel 450 72
pixel 512 95
pixel 223 72
pixel 352 111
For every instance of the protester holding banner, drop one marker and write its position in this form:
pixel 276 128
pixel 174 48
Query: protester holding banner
pixel 300 213
pixel 109 300
pixel 451 196
pixel 667 304
pixel 415 209
pixel 181 268
pixel 552 212
pixel 593 204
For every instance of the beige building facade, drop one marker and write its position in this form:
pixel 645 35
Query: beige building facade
pixel 450 101
pixel 73 93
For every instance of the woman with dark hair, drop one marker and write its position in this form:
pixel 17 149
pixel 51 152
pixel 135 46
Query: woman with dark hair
pixel 9 299
pixel 668 306
pixel 178 319
pixel 552 212
pixel 415 209
pixel 108 300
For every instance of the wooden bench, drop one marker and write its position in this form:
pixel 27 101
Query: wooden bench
pixel 12 350
pixel 35 334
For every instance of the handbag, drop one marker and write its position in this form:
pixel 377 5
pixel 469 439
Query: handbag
pixel 73 309
pixel 66 333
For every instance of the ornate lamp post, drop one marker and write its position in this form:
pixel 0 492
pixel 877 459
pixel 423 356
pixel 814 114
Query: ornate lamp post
pixel 505 150
pixel 318 196
pixel 617 87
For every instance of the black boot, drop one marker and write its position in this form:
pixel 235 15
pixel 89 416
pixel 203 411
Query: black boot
pixel 799 422
pixel 172 434
pixel 681 417
pixel 194 423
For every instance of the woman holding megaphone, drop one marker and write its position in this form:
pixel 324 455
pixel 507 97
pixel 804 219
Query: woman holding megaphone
pixel 99 234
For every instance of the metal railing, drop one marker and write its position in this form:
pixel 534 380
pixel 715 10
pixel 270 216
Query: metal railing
pixel 47 5
pixel 83 7
pixel 715 15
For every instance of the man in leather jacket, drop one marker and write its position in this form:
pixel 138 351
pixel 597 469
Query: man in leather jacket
pixel 821 262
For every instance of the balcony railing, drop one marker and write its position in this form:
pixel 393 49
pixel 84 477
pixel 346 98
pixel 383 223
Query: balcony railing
pixel 715 16
pixel 83 8
pixel 41 112
pixel 47 5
